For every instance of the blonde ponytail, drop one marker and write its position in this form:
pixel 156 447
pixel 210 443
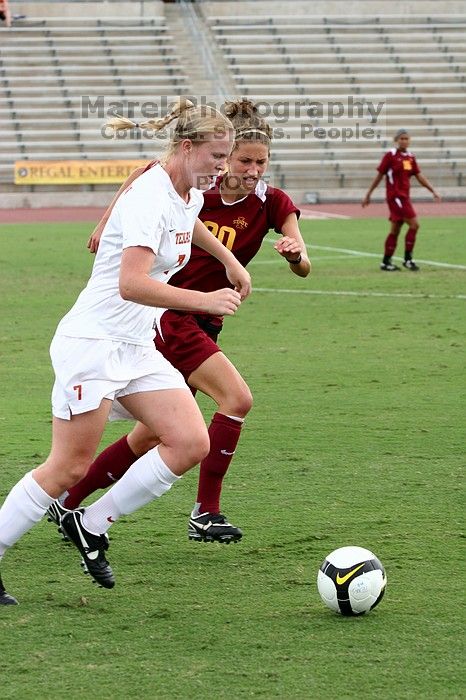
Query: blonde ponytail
pixel 193 123
pixel 119 123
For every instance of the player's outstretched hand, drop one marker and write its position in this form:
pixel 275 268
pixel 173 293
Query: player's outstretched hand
pixel 366 201
pixel 222 302
pixel 437 197
pixel 288 248
pixel 240 278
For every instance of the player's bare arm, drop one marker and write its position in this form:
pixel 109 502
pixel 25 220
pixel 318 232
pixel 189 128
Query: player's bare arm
pixel 236 273
pixel 425 183
pixel 136 285
pixel 292 247
pixel 94 238
pixel 376 181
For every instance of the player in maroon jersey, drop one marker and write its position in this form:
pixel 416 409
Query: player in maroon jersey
pixel 239 210
pixel 398 165
pixel 5 14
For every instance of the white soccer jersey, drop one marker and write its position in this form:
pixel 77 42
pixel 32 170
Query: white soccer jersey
pixel 149 213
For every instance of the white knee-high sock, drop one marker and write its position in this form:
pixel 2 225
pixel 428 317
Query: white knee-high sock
pixel 23 507
pixel 148 478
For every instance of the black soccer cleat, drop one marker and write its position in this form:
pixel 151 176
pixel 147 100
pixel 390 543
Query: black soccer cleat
pixel 91 546
pixel 411 265
pixel 212 527
pixel 389 267
pixel 55 513
pixel 6 598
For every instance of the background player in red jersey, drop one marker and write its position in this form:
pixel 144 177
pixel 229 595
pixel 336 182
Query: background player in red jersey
pixel 5 14
pixel 239 210
pixel 398 165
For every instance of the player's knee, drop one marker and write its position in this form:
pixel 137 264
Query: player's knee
pixel 75 470
pixel 199 447
pixel 143 443
pixel 238 403
pixel 244 403
pixel 191 447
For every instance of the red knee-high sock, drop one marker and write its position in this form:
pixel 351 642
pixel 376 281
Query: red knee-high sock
pixel 224 434
pixel 390 244
pixel 410 240
pixel 107 468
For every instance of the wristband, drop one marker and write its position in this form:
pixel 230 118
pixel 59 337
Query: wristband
pixel 294 262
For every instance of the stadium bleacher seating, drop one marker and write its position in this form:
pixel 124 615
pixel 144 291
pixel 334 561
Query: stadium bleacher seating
pixel 414 66
pixel 47 69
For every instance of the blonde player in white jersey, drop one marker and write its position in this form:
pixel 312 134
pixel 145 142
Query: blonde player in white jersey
pixel 103 350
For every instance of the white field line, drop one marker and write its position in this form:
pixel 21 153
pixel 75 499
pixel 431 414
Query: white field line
pixel 323 292
pixel 362 254
pixel 378 255
pixel 322 215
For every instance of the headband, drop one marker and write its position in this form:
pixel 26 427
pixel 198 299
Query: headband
pixel 251 131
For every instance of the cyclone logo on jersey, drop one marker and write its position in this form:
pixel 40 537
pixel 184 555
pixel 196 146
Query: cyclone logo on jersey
pixel 240 222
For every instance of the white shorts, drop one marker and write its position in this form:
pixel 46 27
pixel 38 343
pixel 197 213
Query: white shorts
pixel 88 370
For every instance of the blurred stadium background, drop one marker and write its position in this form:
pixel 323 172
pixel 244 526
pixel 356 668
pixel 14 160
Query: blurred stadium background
pixel 315 67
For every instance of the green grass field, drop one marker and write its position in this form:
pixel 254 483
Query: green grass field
pixel 356 437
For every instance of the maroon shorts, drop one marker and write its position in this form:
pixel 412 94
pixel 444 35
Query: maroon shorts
pixel 400 208
pixel 183 341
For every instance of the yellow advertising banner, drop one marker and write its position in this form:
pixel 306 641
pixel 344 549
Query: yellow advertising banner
pixel 74 172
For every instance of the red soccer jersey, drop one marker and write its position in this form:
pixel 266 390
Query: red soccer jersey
pixel 398 166
pixel 241 227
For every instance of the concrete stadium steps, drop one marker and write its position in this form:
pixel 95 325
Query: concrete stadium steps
pixel 415 65
pixel 56 87
pixel 358 85
pixel 302 148
pixel 366 159
pixel 387 79
pixel 422 142
pixel 46 70
pixel 345 46
pixel 86 139
pixel 359 172
pixel 42 65
pixel 125 51
pixel 87 44
pixel 389 75
pixel 295 131
pixel 309 58
pixel 407 97
pixel 77 27
pixel 331 67
pixel 63 150
pixel 283 24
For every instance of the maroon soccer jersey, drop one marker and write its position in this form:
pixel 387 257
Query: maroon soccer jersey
pixel 241 227
pixel 398 166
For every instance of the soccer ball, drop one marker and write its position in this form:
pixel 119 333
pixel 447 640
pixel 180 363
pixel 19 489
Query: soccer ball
pixel 351 581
